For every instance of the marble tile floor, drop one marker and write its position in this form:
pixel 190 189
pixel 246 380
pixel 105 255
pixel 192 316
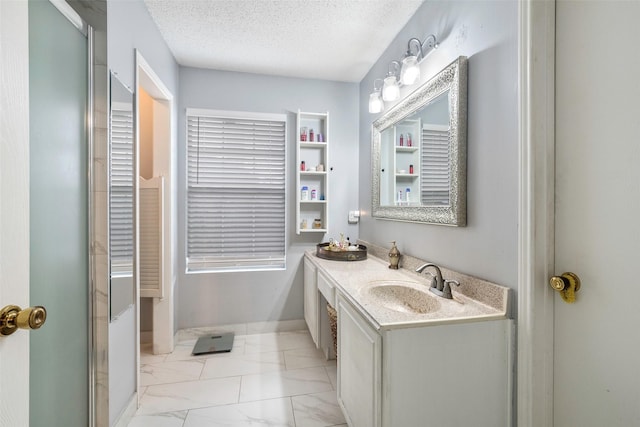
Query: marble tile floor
pixel 267 380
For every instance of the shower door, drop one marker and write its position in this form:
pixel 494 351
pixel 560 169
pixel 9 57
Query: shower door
pixel 59 277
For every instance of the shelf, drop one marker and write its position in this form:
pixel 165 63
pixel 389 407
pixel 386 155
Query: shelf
pixel 412 149
pixel 311 144
pixel 313 154
pixel 407 175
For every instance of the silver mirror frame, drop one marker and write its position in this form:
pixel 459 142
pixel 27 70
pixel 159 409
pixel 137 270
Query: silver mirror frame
pixel 452 78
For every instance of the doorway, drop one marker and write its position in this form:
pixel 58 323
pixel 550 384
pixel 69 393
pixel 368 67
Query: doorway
pixel 156 161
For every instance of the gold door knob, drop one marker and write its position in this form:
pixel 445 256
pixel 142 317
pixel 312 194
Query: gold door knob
pixel 13 318
pixel 567 284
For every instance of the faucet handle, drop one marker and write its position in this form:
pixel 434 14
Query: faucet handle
pixel 446 291
pixel 433 283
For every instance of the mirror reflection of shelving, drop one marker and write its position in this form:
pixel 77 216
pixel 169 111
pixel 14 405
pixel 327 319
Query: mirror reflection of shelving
pixel 312 181
pixel 406 164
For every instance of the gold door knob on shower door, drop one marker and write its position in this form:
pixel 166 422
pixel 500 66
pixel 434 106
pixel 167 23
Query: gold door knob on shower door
pixel 567 284
pixel 13 318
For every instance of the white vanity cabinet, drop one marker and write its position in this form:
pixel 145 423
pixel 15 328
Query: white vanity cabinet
pixel 318 291
pixel 359 368
pixel 414 370
pixel 311 303
pixel 455 374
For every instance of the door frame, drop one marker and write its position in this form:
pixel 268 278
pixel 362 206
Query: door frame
pixel 163 308
pixel 90 16
pixel 535 302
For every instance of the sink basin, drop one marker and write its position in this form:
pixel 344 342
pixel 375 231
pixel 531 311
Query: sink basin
pixel 402 297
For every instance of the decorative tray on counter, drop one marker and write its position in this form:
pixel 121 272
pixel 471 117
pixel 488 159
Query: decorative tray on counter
pixel 358 254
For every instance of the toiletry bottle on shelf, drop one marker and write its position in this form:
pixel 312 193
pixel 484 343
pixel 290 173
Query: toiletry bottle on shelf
pixel 399 197
pixel 407 193
pixel 304 194
pixel 408 140
pixel 411 169
pixel 401 140
pixel 302 166
pixel 310 135
pixel 314 194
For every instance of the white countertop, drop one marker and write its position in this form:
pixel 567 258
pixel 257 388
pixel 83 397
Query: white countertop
pixel 354 280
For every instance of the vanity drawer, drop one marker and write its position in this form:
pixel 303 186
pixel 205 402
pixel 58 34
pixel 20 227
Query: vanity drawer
pixel 327 289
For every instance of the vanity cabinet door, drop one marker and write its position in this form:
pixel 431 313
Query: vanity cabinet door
pixel 311 300
pixel 359 368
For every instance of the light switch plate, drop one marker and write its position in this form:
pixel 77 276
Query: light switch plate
pixel 353 217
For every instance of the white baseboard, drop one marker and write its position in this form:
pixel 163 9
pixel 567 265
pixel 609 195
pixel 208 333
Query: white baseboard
pixel 242 329
pixel 127 415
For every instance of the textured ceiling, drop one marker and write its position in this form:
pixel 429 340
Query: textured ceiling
pixel 323 39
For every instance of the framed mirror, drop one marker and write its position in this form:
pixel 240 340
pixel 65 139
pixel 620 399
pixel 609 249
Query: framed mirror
pixel 420 153
pixel 120 188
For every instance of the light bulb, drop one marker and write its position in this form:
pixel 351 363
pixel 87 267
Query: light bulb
pixel 375 103
pixel 410 70
pixel 390 90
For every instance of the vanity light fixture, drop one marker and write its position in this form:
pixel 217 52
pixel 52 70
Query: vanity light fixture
pixel 376 105
pixel 404 74
pixel 391 87
pixel 410 72
pixel 410 69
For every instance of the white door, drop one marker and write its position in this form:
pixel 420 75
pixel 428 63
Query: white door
pixel 14 207
pixel 597 339
pixel 44 375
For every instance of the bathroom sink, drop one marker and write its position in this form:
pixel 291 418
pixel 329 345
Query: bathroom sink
pixel 403 297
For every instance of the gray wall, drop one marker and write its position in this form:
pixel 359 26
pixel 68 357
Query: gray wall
pixel 486 32
pixel 130 27
pixel 229 298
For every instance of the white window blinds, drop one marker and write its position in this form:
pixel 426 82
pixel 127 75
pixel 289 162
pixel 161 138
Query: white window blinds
pixel 121 191
pixel 435 165
pixel 236 191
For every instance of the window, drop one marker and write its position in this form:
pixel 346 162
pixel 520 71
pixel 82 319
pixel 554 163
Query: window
pixel 121 194
pixel 435 165
pixel 235 191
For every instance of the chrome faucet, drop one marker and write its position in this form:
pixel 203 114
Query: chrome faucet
pixel 436 281
pixel 439 286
